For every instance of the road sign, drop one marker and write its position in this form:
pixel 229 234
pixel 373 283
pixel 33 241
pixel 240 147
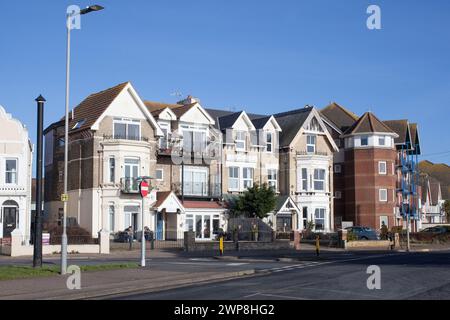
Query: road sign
pixel 144 188
pixel 64 197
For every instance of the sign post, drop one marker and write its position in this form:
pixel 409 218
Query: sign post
pixel 143 189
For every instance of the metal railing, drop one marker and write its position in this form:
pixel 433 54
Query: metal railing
pixel 199 189
pixel 306 153
pixel 129 185
pixel 125 137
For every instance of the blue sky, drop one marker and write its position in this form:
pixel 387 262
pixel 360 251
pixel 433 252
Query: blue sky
pixel 264 56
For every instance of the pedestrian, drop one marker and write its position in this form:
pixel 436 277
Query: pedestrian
pixel 383 231
pixel 130 237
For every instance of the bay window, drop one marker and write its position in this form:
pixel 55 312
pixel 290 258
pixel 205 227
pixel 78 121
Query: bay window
pixel 247 177
pixel 319 179
pixel 304 179
pixel 319 218
pixel 272 178
pixel 233 178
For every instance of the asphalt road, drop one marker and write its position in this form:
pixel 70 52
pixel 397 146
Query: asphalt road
pixel 333 276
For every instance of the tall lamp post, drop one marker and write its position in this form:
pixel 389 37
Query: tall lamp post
pixel 64 197
pixel 37 241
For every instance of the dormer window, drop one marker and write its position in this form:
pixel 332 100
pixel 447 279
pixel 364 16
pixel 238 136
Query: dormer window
pixel 311 143
pixel 240 140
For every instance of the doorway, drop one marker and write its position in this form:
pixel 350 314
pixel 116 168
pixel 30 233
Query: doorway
pixel 10 210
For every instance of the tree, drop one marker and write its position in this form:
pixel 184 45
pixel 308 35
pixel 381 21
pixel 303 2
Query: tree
pixel 446 208
pixel 256 201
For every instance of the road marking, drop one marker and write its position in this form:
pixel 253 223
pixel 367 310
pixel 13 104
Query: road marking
pixel 236 264
pixel 316 263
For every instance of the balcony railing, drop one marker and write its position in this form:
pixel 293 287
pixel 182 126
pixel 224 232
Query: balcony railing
pixel 199 189
pixel 124 137
pixel 315 153
pixel 129 185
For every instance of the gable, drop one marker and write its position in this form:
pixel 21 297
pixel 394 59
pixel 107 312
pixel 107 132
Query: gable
pixel 314 124
pixel 243 123
pixel 196 114
pixel 167 114
pixel 127 104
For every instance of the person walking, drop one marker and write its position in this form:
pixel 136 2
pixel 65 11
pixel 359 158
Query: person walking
pixel 130 237
pixel 383 231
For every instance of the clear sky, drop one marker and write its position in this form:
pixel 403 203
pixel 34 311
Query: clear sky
pixel 264 56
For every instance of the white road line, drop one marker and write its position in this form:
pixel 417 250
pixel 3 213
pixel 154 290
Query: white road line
pixel 236 264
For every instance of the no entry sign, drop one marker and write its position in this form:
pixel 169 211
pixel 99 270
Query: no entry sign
pixel 144 188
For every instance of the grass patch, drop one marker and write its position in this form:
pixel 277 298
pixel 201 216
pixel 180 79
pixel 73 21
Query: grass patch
pixel 21 272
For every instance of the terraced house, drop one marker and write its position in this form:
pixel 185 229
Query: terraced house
pixel 112 141
pixel 306 167
pixel 188 171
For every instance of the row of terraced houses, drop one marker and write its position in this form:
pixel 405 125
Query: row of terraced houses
pixel 328 166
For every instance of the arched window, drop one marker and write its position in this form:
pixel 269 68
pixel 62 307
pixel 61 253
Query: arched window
pixel 10 203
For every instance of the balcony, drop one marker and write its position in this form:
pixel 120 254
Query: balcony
pixel 315 153
pixel 125 137
pixel 199 189
pixel 207 153
pixel 129 185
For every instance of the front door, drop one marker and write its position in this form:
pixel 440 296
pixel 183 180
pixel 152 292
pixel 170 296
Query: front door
pixel 9 221
pixel 159 226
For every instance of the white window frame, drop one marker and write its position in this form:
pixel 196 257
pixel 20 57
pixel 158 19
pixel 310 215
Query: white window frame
pixel 112 169
pixel 162 174
pixel 271 181
pixel 320 211
pixel 111 217
pixel 127 122
pixel 165 127
pixel 247 180
pixel 337 166
pixel 382 138
pixel 380 171
pixel 240 141
pixel 318 180
pixel 304 179
pixel 269 134
pixel 380 193
pixel 311 144
pixel 233 178
pixel 15 173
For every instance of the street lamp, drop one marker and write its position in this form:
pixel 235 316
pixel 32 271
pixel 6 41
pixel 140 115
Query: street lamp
pixel 66 136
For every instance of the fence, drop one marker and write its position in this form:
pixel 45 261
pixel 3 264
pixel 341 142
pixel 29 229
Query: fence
pixel 168 239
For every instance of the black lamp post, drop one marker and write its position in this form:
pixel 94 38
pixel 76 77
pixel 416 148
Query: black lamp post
pixel 37 252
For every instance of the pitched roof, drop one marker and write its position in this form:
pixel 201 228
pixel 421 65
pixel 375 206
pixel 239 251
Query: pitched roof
pixel 400 127
pixel 161 196
pixel 290 123
pixel 368 123
pixel 91 108
pixel 339 116
pixel 259 123
pixel 156 108
pixel 439 171
pixel 190 204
